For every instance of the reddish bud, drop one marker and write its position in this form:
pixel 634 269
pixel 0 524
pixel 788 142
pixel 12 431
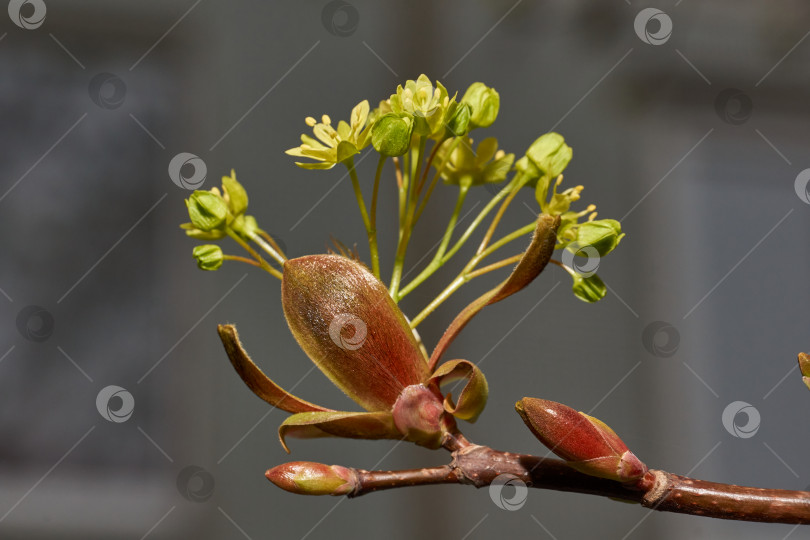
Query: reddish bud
pixel 586 443
pixel 804 366
pixel 308 478
pixel 418 415
pixel 345 320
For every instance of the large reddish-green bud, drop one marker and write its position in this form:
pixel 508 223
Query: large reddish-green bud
pixel 804 366
pixel 345 320
pixel 585 442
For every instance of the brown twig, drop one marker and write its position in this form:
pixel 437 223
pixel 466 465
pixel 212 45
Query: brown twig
pixel 658 490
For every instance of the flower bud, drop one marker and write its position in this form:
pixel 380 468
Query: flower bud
pixel 208 211
pixel 418 416
pixel 484 102
pixel 208 256
pixel 235 194
pixel 308 478
pixel 391 134
pixel 589 288
pixel 586 443
pixel 603 235
pixel 459 121
pixel 804 366
pixel 550 154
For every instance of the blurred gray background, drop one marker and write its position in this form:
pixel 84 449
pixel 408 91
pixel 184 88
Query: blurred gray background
pixel 695 140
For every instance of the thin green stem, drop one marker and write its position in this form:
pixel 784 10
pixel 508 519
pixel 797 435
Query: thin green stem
pixel 496 265
pixel 467 273
pixel 435 180
pixel 240 259
pixel 437 258
pixel 372 239
pixel 264 264
pixel 267 247
pixel 444 295
pixel 273 243
pixel 514 235
pixel 496 220
pixel 371 231
pixel 407 228
pixel 479 218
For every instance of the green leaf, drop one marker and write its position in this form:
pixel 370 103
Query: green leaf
pixel 256 380
pixel 473 397
pixel 350 425
pixel 603 235
pixel 589 289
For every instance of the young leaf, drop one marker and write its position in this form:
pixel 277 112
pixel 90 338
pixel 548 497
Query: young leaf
pixel 534 260
pixel 473 397
pixel 256 380
pixel 351 425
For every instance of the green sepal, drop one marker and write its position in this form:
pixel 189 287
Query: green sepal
pixel 235 194
pixel 194 232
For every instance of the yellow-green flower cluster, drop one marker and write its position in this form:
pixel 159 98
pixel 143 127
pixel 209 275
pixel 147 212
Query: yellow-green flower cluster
pixel 211 212
pixel 332 146
pixel 463 167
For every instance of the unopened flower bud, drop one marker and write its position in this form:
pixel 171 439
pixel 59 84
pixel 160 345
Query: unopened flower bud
pixel 804 366
pixel 458 124
pixel 391 134
pixel 586 443
pixel 588 288
pixel 207 210
pixel 308 478
pixel 418 416
pixel 208 256
pixel 603 235
pixel 550 154
pixel 484 102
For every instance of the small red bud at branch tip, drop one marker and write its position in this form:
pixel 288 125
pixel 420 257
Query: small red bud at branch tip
pixel 586 443
pixel 804 366
pixel 309 478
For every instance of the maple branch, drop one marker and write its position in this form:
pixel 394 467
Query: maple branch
pixel 658 490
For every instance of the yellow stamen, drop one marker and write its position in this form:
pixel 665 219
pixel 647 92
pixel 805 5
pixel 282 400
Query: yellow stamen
pixel 310 121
